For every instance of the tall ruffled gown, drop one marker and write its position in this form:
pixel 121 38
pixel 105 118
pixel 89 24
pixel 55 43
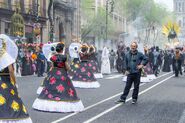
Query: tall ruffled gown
pixel 12 109
pixel 58 94
pixel 93 65
pixel 105 66
pixel 167 60
pixel 84 77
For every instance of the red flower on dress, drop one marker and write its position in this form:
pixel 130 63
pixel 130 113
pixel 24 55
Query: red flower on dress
pixel 69 83
pixel 71 92
pixel 58 72
pixel 53 58
pixel 63 78
pixel 89 74
pixel 61 64
pixel 57 98
pixel 90 65
pixel 83 69
pixel 52 80
pixel 60 88
pixel 50 96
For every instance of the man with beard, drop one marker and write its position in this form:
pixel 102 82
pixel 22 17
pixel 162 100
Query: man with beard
pixel 134 62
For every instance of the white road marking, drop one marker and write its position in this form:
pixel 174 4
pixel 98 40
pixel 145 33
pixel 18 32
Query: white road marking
pixel 118 105
pixel 91 106
pixel 114 77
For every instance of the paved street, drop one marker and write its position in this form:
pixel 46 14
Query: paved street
pixel 161 101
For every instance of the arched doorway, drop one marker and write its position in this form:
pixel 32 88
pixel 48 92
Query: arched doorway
pixel 61 31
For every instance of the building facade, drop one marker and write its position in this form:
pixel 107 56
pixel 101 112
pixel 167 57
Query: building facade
pixel 66 16
pixel 32 11
pixel 179 10
pixel 118 21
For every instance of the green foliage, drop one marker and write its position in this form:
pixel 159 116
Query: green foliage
pixel 96 23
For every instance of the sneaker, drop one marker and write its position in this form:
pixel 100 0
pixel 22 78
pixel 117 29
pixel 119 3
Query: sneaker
pixel 120 101
pixel 134 101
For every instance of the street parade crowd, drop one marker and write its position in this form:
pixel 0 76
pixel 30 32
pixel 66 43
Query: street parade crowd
pixel 78 66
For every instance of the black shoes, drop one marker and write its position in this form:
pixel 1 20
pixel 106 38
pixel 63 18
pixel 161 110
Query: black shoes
pixel 120 101
pixel 134 101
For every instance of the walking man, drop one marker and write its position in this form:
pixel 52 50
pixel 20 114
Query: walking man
pixel 134 62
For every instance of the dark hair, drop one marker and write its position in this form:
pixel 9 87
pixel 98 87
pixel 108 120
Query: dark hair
pixel 84 49
pixel 59 47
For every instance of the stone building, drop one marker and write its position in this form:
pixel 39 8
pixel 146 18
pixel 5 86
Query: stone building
pixel 32 11
pixel 66 16
pixel 179 10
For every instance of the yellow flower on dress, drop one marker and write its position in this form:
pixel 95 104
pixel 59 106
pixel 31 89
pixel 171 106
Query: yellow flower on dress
pixel 15 106
pixel 76 66
pixel 2 100
pixel 3 85
pixel 24 109
pixel 12 92
pixel 13 83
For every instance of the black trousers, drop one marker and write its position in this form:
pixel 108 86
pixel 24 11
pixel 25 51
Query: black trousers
pixel 40 68
pixel 132 78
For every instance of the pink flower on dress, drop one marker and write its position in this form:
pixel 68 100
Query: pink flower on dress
pixel 46 92
pixel 89 74
pixel 50 96
pixel 84 79
pixel 90 65
pixel 85 64
pixel 52 80
pixel 60 88
pixel 94 68
pixel 63 78
pixel 53 58
pixel 83 69
pixel 57 98
pixel 71 92
pixel 80 76
pixel 58 72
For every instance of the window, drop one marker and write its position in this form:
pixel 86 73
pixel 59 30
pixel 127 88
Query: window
pixel 180 7
pixel 180 23
pixel 183 21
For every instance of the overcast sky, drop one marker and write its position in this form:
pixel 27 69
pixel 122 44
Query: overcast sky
pixel 167 3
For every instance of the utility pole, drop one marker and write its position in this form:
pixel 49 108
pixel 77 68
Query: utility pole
pixel 107 15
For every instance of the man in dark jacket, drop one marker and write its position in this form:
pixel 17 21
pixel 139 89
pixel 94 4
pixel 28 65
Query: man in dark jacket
pixel 134 62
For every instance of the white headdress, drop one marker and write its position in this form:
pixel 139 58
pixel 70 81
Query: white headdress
pixel 8 51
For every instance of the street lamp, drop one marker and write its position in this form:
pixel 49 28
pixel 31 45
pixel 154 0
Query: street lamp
pixel 108 2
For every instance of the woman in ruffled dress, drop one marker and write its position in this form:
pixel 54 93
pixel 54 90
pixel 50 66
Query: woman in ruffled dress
pixel 93 63
pixel 74 55
pixel 105 66
pixel 148 68
pixel 84 77
pixel 58 94
pixel 12 109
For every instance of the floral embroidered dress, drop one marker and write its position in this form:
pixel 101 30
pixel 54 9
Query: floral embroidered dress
pixel 58 94
pixel 84 77
pixel 93 65
pixel 74 66
pixel 12 109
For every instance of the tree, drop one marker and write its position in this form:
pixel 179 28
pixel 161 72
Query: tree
pixel 95 24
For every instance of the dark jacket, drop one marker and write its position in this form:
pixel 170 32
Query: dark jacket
pixel 130 65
